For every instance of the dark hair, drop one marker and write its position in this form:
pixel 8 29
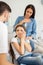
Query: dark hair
pixel 4 6
pixel 32 7
pixel 12 53
pixel 11 49
pixel 20 26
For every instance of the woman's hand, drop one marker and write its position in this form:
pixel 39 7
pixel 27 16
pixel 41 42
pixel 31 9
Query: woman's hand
pixel 24 21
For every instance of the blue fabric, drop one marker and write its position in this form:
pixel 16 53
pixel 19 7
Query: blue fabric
pixel 34 60
pixel 31 26
pixel 32 45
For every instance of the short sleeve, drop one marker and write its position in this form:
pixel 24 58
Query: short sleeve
pixel 14 40
pixel 3 39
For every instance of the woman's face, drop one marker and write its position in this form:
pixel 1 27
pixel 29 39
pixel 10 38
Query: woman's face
pixel 29 12
pixel 20 31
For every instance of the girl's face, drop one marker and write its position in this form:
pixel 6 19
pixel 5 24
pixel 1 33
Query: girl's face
pixel 20 31
pixel 29 12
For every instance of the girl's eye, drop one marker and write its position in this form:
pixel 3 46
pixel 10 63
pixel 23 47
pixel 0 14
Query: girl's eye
pixel 27 11
pixel 22 30
pixel 30 12
pixel 17 30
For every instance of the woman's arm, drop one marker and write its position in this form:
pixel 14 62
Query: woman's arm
pixel 34 29
pixel 33 33
pixel 22 22
pixel 18 23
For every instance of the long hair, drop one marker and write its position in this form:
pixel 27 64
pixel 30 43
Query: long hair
pixel 12 53
pixel 32 7
pixel 11 49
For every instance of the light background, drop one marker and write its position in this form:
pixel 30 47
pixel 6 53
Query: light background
pixel 18 7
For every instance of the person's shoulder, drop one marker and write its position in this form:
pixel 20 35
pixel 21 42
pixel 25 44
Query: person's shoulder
pixel 33 20
pixel 3 26
pixel 14 39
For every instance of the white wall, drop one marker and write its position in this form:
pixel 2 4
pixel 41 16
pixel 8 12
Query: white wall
pixel 18 7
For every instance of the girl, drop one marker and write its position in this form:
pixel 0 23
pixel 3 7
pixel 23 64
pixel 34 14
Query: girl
pixel 21 47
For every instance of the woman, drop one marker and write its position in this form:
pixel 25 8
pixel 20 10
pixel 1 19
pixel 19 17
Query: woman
pixel 22 48
pixel 29 22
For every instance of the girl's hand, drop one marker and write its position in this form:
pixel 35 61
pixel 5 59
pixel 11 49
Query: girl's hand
pixel 23 36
